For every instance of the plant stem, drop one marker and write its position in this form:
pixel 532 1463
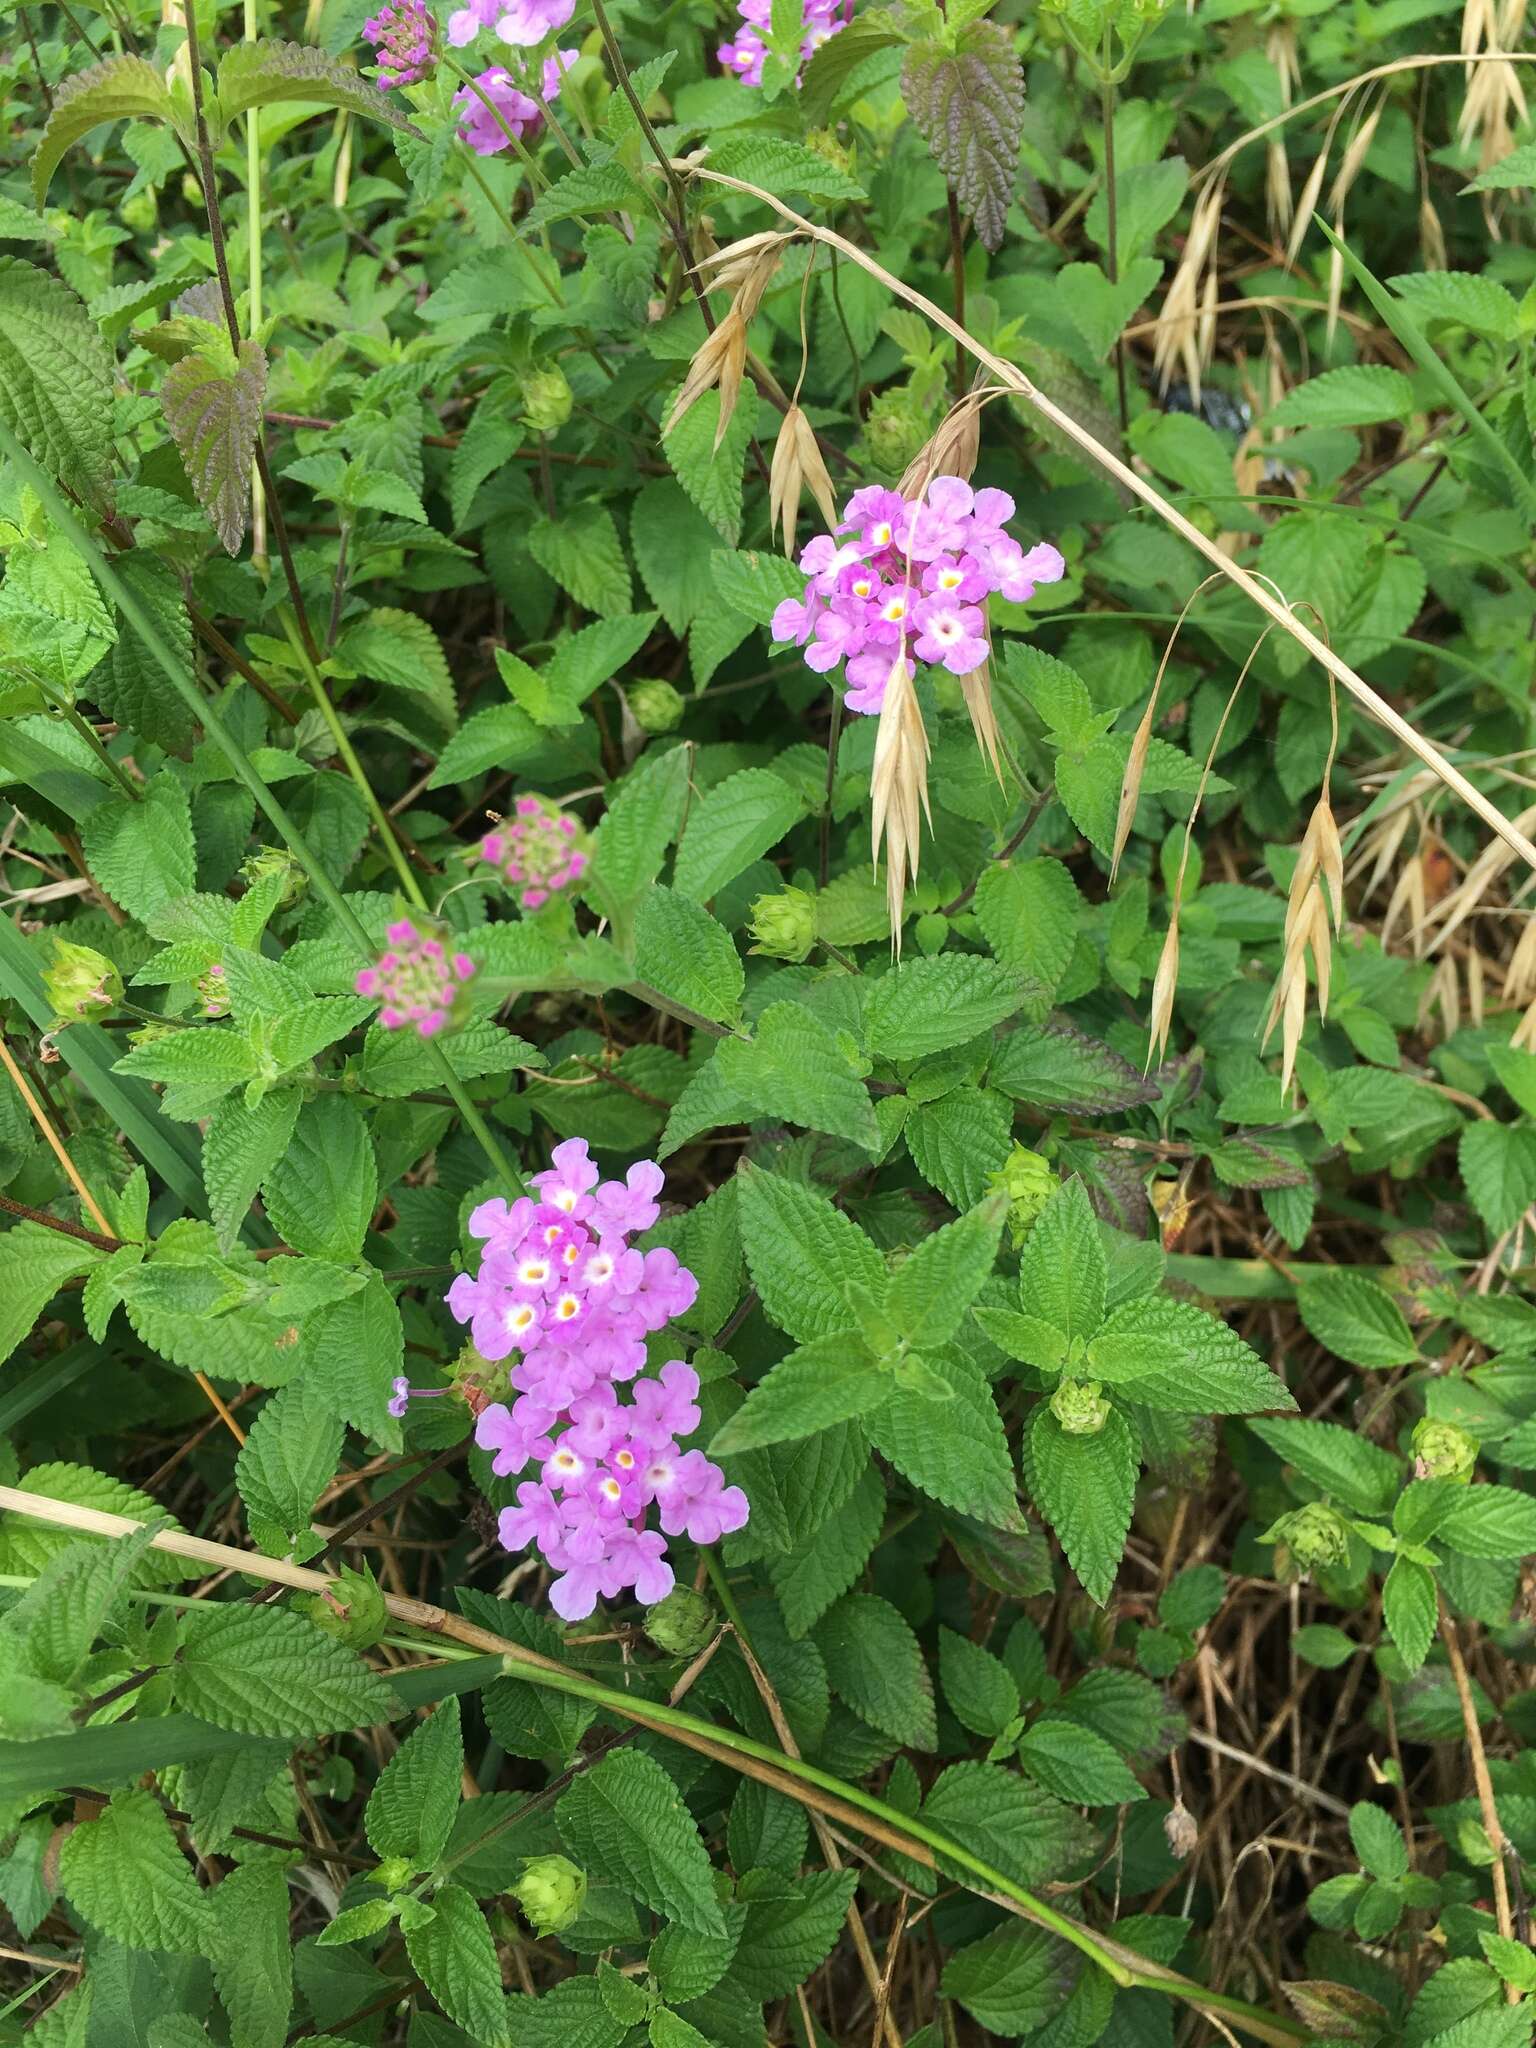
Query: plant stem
pixel 957 280
pixel 253 182
pixel 1111 205
pixel 381 820
pixel 64 518
pixel 209 182
pixel 88 733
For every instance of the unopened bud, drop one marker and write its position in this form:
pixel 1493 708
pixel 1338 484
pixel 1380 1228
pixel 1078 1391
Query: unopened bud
pixel 1311 1538
pixel 276 860
pixel 551 1893
pixel 1441 1450
pixel 1080 1407
pixel 352 1611
pixel 1180 1830
pixel 81 983
pixel 655 705
pixel 682 1623
pixel 784 925
pixel 213 992
pixel 1029 1181
pixel 547 398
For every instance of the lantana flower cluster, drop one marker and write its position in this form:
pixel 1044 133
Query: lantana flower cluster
pixel 747 52
pixel 523 23
pixel 562 1291
pixel 909 577
pixel 417 979
pixel 506 91
pixel 404 36
pixel 538 851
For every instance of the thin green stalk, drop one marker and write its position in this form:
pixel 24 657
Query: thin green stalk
pixel 87 732
pixel 65 519
pixel 253 184
pixel 354 767
pixel 983 1877
pixel 520 148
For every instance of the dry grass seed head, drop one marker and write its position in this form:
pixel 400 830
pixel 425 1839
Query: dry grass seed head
pixel 1457 905
pixel 1520 974
pixel 1164 987
pixel 1136 760
pixel 1184 323
pixel 745 268
pixel 899 788
pixel 797 466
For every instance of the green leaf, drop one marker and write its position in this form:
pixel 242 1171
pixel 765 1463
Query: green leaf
pixel 1358 395
pixel 875 1666
pixel 198 1067
pixel 1363 1475
pixel 124 1873
pixel 1488 1521
pixel 1169 1354
pixel 130 685
pixel 926 1006
pixel 55 377
pixel 737 823
pixel 395 647
pixel 582 551
pixel 959 1142
pixel 1510 172
pixel 323 1190
pixel 1498 1164
pixel 1516 1073
pixel 627 1818
pixel 681 952
pixel 793 1069
pixel 1012 1981
pixel 268 74
pixel 268 1671
pixel 1462 297
pixel 412 1807
pixel 34 1264
pixel 932 1288
pixel 638 826
pixel 1085 1486
pixel 1062 1271
pixel 1099 310
pixel 142 853
pixel 1058 1068
pixel 589 188
pixel 291 1452
pixel 1007 1820
pixel 808 1261
pixel 980 1690
pixel 212 400
pixel 1077 1765
pixel 1378 1841
pixel 712 476
pixel 27 1547
pixel 754 583
pixel 241 1145
pixel 1030 912
pixel 455 1957
pixel 57 1619
pixel 792 1924
pixel 1356 1319
pixel 968 105
pixel 252 1958
pixel 354 1349
pixel 117 89
pixel 819 1570
pixel 783 167
pixel 827 1381
pixel 955 1450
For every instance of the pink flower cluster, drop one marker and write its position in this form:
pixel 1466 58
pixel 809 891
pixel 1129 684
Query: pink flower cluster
pixel 524 23
pixel 537 851
pixel 748 52
pixel 416 979
pixel 404 36
pixel 911 580
pixel 560 1284
pixel 479 125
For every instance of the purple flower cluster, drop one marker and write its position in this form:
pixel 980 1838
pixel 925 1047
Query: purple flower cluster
pixel 911 580
pixel 747 52
pixel 416 979
pixel 537 851
pixel 404 36
pixel 524 23
pixel 479 125
pixel 560 1284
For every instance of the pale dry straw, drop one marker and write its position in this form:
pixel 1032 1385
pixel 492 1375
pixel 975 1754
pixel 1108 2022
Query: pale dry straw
pixel 745 269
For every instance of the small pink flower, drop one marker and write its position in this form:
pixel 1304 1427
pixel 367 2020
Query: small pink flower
pixel 950 634
pixel 416 981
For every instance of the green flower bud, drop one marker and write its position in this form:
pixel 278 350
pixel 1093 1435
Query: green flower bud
pixel 1029 1181
pixel 551 1892
pixel 139 212
pixel 894 431
pixel 276 860
pixel 1080 1407
pixel 547 399
pixel 654 705
pixel 213 992
pixel 394 1873
pixel 1443 1451
pixel 81 983
pixel 784 926
pixel 354 1612
pixel 1311 1538
pixel 682 1623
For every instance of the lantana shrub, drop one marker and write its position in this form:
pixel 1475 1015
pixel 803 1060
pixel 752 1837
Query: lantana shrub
pixel 767 1025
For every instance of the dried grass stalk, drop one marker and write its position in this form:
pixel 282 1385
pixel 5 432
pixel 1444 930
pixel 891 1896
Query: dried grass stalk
pixel 899 788
pixel 1520 974
pixel 745 268
pixel 797 466
pixel 1186 323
